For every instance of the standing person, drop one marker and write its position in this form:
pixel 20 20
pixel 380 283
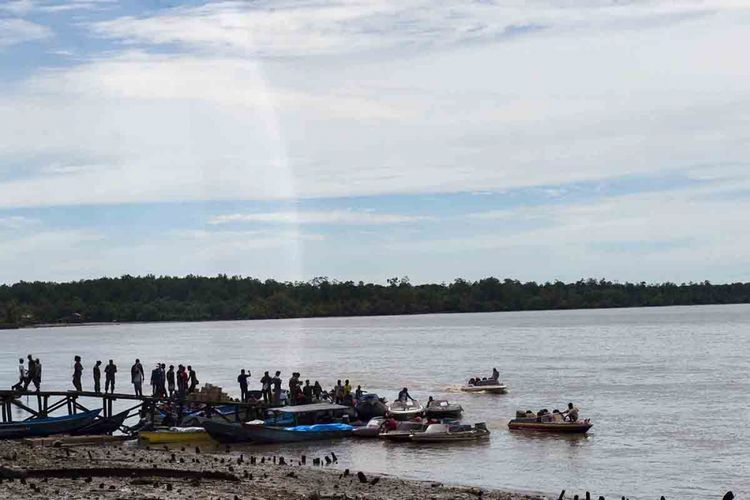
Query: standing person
pixel 317 390
pixel 29 372
pixel 276 382
pixel 495 374
pixel 97 377
pixel 77 373
pixel 181 387
pixel 403 395
pixel 163 380
pixel 347 388
pixel 155 380
pixel 136 377
pixel 307 390
pixel 265 387
pixel 193 379
pixel 338 393
pixel 21 376
pixel 109 377
pixel 242 379
pixel 170 380
pixel 358 393
pixel 293 389
pixel 36 377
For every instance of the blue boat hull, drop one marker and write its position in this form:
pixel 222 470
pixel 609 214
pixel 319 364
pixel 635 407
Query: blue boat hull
pixel 268 434
pixel 41 427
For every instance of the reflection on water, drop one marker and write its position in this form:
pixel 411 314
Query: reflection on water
pixel 667 389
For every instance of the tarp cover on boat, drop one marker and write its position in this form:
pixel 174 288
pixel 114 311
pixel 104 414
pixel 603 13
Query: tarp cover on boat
pixel 320 428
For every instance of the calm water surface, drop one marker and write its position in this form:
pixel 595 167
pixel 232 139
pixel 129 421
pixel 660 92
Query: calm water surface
pixel 667 389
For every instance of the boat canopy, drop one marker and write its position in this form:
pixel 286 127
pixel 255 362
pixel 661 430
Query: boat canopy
pixel 308 408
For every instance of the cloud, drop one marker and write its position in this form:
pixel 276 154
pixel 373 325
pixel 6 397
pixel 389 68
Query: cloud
pixel 343 217
pixel 15 222
pixel 188 121
pixel 16 31
pixel 292 29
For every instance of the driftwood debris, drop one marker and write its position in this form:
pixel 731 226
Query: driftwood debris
pixel 131 472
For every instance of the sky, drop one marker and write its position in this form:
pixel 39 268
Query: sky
pixel 362 140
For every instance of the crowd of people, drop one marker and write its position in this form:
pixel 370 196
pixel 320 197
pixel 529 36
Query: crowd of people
pixel 164 382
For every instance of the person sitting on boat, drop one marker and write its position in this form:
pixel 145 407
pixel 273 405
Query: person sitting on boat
pixel 572 413
pixel 471 381
pixel 429 401
pixel 403 395
pixel 495 374
pixel 389 424
pixel 557 417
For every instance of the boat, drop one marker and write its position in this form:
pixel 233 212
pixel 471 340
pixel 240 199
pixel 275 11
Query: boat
pixel 450 433
pixel 440 408
pixel 370 406
pixel 491 386
pixel 312 422
pixel 403 431
pixel 405 410
pixel 226 432
pixel 102 425
pixel 47 426
pixel 537 425
pixel 369 430
pixel 175 435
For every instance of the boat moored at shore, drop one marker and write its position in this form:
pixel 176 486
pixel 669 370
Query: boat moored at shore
pixel 450 433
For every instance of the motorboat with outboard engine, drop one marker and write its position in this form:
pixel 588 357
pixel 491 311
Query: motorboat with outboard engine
pixel 487 385
pixel 312 422
pixel 403 430
pixel 370 430
pixel 540 425
pixel 450 433
pixel 405 410
pixel 370 406
pixel 440 408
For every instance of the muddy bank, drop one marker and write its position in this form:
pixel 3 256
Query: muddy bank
pixel 127 472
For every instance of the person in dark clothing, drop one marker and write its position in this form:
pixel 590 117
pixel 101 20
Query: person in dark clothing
pixel 137 377
pixel 265 387
pixel 242 379
pixel 403 395
pixel 307 390
pixel 36 375
pixel 193 379
pixel 155 380
pixel 276 383
pixel 77 373
pixel 317 390
pixel 181 381
pixel 21 376
pixel 29 372
pixel 293 388
pixel 109 377
pixel 97 377
pixel 170 380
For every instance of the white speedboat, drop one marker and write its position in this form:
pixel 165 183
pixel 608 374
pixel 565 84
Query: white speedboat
pixel 405 410
pixel 370 430
pixel 445 433
pixel 488 386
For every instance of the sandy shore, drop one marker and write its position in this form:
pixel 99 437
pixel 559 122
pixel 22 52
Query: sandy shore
pixel 128 472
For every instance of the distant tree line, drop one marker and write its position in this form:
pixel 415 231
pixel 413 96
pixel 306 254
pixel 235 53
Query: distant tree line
pixel 197 298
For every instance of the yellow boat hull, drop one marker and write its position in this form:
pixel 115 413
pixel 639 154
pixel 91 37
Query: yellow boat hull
pixel 164 437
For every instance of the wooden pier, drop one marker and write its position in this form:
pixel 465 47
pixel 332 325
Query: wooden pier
pixel 42 404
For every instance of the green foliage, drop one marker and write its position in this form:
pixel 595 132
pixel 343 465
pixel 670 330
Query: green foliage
pixel 197 298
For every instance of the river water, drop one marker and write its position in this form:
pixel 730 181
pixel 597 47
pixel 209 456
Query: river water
pixel 668 389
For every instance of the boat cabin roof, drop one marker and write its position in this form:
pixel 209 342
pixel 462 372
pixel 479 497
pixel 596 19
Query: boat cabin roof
pixel 308 408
